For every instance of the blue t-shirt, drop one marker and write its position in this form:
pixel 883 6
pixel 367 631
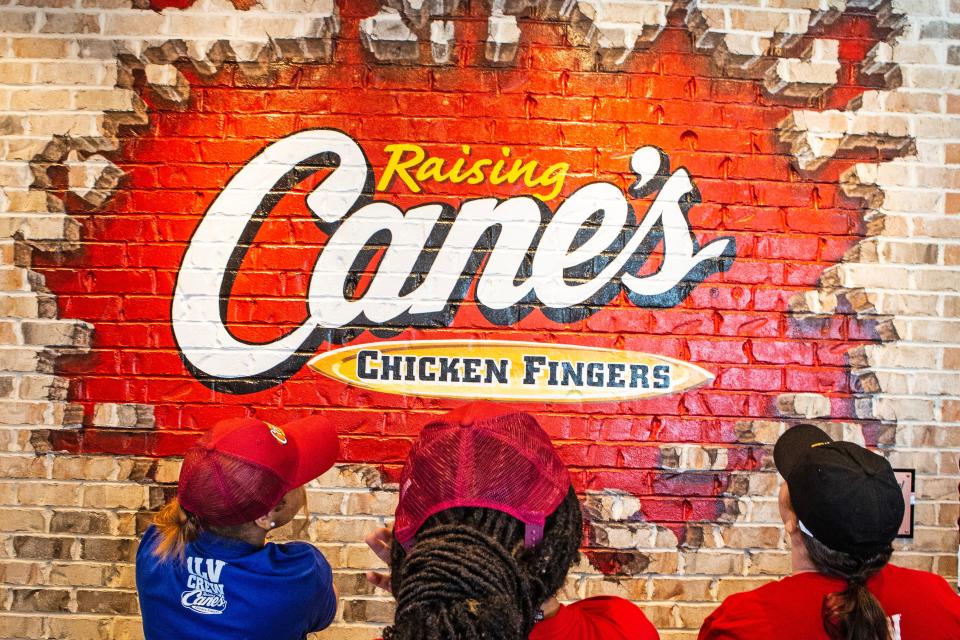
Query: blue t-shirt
pixel 226 588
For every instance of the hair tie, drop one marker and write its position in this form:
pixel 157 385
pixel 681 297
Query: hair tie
pixel 857 580
pixel 191 517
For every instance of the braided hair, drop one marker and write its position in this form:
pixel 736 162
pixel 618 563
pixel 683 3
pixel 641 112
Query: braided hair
pixel 469 576
pixel 854 613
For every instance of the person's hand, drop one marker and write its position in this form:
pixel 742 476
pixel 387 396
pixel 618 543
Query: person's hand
pixel 379 542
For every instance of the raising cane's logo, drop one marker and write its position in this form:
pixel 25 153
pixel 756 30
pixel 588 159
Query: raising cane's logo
pixel 566 262
pixel 204 593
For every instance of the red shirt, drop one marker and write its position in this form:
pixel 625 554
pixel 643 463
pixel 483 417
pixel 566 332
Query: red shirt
pixel 600 618
pixel 921 605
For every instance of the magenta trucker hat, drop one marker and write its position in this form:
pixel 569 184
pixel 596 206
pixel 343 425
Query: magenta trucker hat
pixel 481 455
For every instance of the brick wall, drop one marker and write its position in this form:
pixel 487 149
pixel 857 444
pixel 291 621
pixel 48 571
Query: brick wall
pixel 823 137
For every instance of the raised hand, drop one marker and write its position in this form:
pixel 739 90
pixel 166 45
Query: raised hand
pixel 379 542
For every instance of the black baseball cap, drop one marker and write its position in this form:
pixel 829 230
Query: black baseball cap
pixel 845 496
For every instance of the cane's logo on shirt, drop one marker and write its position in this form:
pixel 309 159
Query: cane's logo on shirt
pixel 204 592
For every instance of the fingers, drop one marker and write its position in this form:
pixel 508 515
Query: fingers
pixel 379 542
pixel 380 580
pixel 383 535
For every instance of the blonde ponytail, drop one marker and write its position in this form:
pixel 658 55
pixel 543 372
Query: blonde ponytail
pixel 176 528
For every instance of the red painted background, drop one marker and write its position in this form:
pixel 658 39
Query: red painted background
pixel 788 225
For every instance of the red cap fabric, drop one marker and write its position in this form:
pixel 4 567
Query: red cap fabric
pixel 481 455
pixel 242 468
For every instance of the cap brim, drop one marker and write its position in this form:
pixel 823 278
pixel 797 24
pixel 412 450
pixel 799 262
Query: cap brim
pixel 475 411
pixel 318 447
pixel 794 444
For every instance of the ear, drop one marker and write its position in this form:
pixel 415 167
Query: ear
pixel 790 521
pixel 267 522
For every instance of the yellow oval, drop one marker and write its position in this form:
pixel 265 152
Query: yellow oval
pixel 508 370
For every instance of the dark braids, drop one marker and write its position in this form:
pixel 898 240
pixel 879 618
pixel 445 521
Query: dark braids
pixel 469 575
pixel 854 613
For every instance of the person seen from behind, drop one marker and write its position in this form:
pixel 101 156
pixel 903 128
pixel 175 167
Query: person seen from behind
pixel 204 570
pixel 842 508
pixel 487 527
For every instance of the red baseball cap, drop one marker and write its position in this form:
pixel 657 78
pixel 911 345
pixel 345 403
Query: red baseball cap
pixel 481 455
pixel 242 468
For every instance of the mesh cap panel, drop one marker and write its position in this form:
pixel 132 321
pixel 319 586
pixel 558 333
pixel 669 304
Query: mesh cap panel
pixel 222 490
pixel 504 462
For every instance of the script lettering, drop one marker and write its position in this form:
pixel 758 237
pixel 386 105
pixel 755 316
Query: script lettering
pixel 567 262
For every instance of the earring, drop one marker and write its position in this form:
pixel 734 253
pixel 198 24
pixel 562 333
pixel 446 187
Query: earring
pixel 273 525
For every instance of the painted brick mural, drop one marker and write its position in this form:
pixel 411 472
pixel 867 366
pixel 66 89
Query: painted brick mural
pixel 670 230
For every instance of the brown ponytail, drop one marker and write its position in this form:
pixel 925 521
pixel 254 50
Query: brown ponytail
pixel 854 613
pixel 177 527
